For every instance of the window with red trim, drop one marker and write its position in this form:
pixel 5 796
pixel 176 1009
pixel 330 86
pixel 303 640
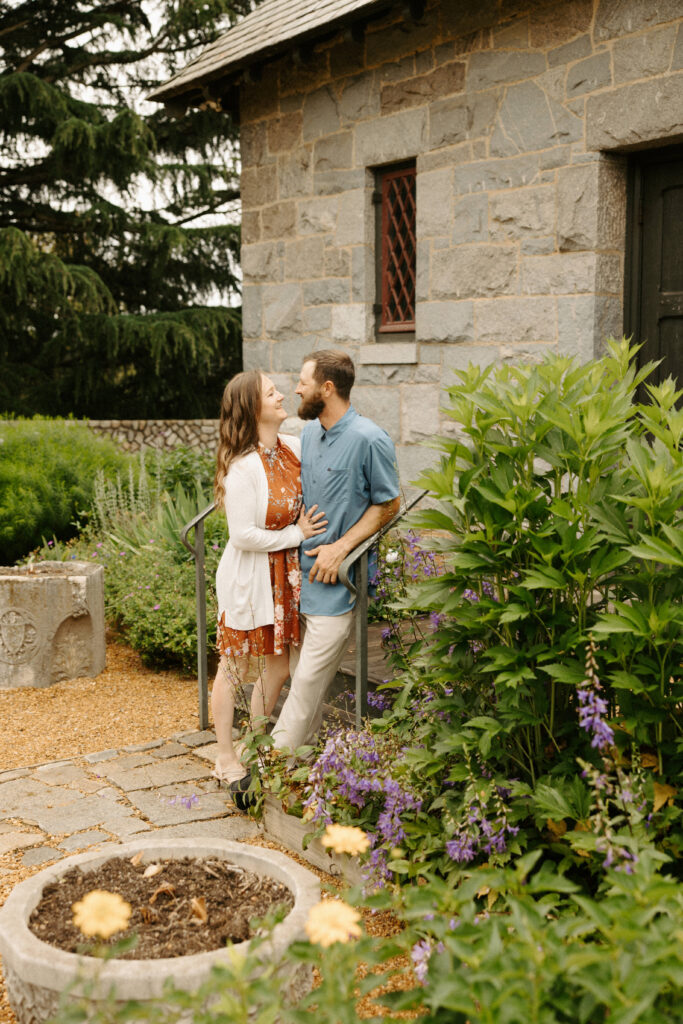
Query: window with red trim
pixel 396 194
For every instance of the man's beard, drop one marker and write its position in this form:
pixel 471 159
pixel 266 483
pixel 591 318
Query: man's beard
pixel 311 408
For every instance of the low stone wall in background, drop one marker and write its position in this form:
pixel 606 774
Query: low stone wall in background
pixel 132 435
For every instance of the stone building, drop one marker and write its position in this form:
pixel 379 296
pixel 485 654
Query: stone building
pixel 532 147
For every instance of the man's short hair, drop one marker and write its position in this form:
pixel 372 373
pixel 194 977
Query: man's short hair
pixel 333 365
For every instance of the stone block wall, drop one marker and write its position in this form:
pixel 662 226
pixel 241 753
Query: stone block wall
pixel 132 435
pixel 518 113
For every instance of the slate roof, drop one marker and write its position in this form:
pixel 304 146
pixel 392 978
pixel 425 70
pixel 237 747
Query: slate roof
pixel 268 30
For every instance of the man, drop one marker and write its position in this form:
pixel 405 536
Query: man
pixel 348 468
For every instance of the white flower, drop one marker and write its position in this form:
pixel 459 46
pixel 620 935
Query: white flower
pixel 391 557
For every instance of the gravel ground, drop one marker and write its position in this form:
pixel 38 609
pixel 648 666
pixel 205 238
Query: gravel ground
pixel 127 703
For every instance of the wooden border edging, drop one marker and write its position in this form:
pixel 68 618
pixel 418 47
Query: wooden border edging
pixel 289 831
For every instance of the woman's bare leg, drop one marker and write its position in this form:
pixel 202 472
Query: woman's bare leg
pixel 231 672
pixel 268 686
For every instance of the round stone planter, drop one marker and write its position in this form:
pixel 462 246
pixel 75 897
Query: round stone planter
pixel 51 623
pixel 36 974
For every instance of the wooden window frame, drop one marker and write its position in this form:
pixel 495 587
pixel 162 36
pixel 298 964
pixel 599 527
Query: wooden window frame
pixel 386 326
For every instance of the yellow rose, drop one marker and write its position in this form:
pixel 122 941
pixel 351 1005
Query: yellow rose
pixel 332 921
pixel 345 839
pixel 101 913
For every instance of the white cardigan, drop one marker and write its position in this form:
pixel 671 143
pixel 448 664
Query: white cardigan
pixel 243 575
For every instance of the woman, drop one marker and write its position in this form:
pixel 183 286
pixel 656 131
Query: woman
pixel 258 581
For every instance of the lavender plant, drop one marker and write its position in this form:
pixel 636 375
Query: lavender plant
pixel 402 559
pixel 619 806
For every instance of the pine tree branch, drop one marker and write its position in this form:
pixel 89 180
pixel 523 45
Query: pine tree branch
pixel 47 45
pixel 15 28
pixel 105 59
pixel 37 175
pixel 213 208
pixel 58 42
pixel 39 221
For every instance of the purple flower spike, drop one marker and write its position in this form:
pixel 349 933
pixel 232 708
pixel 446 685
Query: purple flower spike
pixel 436 618
pixel 420 954
pixel 461 849
pixel 592 708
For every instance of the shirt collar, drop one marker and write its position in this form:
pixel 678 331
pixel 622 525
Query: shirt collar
pixel 339 427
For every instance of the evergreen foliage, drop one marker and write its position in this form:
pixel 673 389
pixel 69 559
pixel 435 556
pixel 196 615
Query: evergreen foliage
pixel 115 228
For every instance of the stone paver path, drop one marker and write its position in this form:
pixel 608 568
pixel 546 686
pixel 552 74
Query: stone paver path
pixel 52 810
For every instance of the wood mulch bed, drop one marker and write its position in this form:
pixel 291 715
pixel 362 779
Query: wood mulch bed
pixel 179 906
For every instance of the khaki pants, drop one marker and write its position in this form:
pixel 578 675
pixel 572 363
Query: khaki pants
pixel 313 666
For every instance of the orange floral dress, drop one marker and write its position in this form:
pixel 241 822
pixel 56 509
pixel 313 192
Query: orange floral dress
pixel 283 473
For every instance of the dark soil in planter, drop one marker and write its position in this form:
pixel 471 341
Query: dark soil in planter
pixel 188 906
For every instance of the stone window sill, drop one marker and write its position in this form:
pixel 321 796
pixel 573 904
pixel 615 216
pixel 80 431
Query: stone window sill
pixel 382 353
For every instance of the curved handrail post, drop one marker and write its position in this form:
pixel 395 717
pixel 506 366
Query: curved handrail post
pixel 197 553
pixel 360 555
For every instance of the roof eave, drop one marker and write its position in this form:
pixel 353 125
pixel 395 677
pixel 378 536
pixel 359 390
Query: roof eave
pixel 192 90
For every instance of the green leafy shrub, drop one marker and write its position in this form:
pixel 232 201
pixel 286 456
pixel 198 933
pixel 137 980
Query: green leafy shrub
pixel 185 466
pixel 47 475
pixel 524 946
pixel 150 593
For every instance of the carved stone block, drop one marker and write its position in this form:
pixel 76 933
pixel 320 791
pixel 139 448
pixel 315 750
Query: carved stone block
pixel 51 623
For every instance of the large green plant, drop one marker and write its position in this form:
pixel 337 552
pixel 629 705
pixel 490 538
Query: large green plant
pixel 561 502
pixel 524 946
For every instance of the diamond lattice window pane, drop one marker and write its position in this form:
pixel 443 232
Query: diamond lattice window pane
pixel 398 249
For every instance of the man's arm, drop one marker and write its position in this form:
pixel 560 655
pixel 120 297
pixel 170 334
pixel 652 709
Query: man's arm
pixel 328 557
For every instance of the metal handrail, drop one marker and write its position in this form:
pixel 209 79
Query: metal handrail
pixel 360 592
pixel 200 591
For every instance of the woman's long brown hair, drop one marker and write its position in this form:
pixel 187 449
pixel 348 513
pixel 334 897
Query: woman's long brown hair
pixel 238 430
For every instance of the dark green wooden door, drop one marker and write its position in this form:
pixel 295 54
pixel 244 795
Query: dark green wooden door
pixel 656 302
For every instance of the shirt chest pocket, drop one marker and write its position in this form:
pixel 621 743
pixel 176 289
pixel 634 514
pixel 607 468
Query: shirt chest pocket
pixel 338 485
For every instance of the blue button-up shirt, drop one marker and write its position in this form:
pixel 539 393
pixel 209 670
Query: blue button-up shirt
pixel 344 470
